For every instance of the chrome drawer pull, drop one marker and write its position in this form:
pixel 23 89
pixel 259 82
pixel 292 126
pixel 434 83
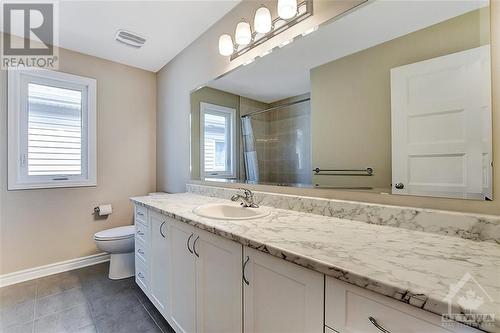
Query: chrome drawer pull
pixel 194 247
pixel 377 325
pixel 244 266
pixel 140 251
pixel 189 239
pixel 161 229
pixel 140 275
pixel 140 213
pixel 140 233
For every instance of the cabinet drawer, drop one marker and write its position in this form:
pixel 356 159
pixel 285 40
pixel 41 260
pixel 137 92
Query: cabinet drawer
pixel 141 250
pixel 348 309
pixel 141 214
pixel 141 275
pixel 141 232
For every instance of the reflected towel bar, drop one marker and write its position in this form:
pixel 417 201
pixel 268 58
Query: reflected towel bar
pixel 344 172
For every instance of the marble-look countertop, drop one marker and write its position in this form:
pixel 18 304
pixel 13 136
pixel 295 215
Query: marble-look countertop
pixel 414 267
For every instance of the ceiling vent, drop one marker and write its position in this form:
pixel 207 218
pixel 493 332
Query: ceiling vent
pixel 130 38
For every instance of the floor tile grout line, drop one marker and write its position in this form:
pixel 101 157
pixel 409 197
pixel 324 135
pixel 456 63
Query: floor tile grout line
pixel 92 316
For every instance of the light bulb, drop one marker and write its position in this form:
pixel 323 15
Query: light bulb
pixel 287 9
pixel 226 45
pixel 262 21
pixel 243 35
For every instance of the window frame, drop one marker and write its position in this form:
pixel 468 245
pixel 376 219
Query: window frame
pixel 17 113
pixel 218 109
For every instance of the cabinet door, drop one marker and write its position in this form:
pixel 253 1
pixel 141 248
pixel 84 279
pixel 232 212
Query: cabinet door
pixel 218 284
pixel 281 296
pixel 182 278
pixel 159 261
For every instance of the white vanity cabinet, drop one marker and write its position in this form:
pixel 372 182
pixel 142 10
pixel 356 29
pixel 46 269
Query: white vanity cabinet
pixel 350 309
pixel 159 261
pixel 182 278
pixel 280 296
pixel 142 240
pixel 205 281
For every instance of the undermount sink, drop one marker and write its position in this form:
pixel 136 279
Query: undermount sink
pixel 229 212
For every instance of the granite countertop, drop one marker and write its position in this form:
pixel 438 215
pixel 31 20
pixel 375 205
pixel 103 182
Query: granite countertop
pixel 410 266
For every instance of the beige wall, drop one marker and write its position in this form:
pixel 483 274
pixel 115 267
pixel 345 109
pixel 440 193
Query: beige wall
pixel 351 98
pixel 43 226
pixel 200 63
pixel 212 96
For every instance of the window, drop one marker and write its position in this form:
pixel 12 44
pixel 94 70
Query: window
pixel 51 130
pixel 218 141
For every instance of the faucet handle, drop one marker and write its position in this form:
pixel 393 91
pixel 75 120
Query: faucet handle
pixel 247 192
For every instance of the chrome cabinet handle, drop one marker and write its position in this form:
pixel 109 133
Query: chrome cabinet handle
pixel 244 266
pixel 377 325
pixel 140 251
pixel 161 229
pixel 189 249
pixel 140 275
pixel 140 213
pixel 140 233
pixel 194 246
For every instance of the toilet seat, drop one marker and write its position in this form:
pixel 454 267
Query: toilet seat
pixel 115 233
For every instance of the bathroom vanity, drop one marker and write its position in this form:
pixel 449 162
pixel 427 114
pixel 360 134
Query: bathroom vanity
pixel 298 272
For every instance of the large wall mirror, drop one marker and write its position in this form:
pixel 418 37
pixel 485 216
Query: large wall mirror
pixel 394 97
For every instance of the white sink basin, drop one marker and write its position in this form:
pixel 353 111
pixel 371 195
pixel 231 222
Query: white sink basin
pixel 229 212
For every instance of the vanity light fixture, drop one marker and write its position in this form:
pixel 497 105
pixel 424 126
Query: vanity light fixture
pixel 243 34
pixel 263 22
pixel 265 27
pixel 287 9
pixel 226 46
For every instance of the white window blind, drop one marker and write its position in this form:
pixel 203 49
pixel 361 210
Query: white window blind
pixel 54 131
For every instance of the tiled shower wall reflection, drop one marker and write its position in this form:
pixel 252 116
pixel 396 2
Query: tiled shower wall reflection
pixel 283 143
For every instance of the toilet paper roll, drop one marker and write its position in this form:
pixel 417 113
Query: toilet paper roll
pixel 105 210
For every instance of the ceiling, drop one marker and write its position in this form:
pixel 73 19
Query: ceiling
pixel 285 72
pixel 169 26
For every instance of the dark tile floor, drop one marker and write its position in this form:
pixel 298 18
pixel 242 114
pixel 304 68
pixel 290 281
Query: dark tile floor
pixel 79 301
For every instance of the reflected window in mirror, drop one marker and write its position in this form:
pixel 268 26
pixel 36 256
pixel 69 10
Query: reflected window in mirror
pixel 218 142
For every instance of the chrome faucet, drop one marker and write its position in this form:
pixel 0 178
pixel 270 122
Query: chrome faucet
pixel 246 199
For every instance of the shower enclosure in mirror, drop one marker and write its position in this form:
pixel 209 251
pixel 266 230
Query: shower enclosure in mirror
pixel 394 97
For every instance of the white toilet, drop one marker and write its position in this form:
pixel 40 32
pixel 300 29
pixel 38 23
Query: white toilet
pixel 119 242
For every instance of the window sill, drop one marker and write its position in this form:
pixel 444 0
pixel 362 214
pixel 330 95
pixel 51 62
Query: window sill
pixel 65 184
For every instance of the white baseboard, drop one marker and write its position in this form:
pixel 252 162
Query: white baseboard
pixel 58 267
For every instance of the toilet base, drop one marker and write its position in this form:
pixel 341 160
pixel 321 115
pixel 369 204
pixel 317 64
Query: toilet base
pixel 121 266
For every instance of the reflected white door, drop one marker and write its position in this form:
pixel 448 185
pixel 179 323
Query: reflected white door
pixel 441 126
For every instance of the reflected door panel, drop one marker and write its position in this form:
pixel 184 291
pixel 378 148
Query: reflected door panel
pixel 439 111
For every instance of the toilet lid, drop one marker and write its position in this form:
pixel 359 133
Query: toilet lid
pixel 116 233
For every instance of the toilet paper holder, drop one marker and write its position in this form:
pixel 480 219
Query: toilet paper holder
pixel 102 210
